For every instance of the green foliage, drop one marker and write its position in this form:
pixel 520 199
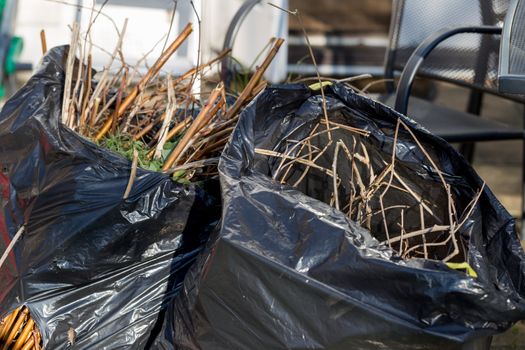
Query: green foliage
pixel 124 145
pixel 241 77
pixel 242 74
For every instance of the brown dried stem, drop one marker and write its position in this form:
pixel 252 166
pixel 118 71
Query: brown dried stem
pixel 200 121
pixel 254 80
pixel 43 41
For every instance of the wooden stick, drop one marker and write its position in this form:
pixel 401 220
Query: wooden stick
pixel 94 113
pixel 297 14
pixel 16 328
pixel 76 105
pixel 30 344
pixel 438 171
pixel 115 116
pixel 148 127
pixel 301 143
pixel 317 156
pixel 152 72
pixel 134 164
pixel 216 146
pixel 391 178
pixel 402 232
pixel 312 56
pixel 171 107
pixel 435 228
pixel 126 122
pixel 24 334
pixel 174 131
pixel 203 118
pixel 69 73
pixel 7 324
pixel 105 72
pixel 192 71
pixel 424 238
pixel 105 107
pixel 200 152
pixel 178 128
pixel 209 148
pixel 438 244
pixel 36 338
pixel 260 87
pixel 83 114
pixel 290 164
pixel 11 245
pixel 196 164
pixel 43 41
pixel 271 153
pixel 346 127
pixel 135 69
pixel 472 204
pixel 334 170
pixel 414 194
pixel 259 72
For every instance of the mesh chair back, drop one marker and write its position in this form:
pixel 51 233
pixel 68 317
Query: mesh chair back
pixel 512 52
pixel 517 41
pixel 466 59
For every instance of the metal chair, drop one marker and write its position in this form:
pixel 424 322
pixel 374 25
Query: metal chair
pixel 457 41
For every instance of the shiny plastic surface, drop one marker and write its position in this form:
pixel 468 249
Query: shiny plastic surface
pixel 89 261
pixel 287 271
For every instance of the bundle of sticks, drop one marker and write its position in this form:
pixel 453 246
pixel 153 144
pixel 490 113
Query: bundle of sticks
pixel 157 120
pixel 19 332
pixel 341 165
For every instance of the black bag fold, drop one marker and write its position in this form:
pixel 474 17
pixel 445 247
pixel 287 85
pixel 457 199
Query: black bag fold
pixel 287 271
pixel 89 261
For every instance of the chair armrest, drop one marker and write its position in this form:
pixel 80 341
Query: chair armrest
pixel 231 33
pixel 511 71
pixel 404 86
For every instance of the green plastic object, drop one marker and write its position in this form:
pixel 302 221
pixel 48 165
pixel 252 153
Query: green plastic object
pixel 16 45
pixel 15 48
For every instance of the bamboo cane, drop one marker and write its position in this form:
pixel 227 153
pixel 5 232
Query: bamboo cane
pixel 259 72
pixel 203 117
pixel 152 72
pixel 16 328
pixel 24 334
pixel 43 41
pixel 8 323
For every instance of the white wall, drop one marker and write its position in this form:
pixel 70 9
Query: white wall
pixel 34 15
pixel 148 22
pixel 262 23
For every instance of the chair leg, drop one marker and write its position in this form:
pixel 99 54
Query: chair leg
pixel 467 150
pixel 522 229
pixel 475 103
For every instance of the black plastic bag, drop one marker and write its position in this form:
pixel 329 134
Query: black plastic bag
pixel 89 261
pixel 287 271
